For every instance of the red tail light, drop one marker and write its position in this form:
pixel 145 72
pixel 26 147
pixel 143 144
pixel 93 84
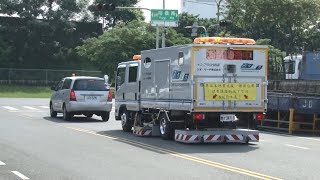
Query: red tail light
pixel 110 96
pixel 259 116
pixel 198 116
pixel 73 95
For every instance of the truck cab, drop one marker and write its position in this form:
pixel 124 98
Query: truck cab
pixel 303 67
pixel 127 91
pixel 292 65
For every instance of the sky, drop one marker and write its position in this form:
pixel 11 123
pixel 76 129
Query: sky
pixel 157 4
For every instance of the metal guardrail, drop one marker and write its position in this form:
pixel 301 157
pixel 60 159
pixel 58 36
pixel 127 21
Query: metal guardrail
pixel 292 113
pixel 290 124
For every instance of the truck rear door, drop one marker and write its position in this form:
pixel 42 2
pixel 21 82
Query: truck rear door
pixel 230 78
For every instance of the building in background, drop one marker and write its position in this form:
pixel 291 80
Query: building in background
pixel 203 8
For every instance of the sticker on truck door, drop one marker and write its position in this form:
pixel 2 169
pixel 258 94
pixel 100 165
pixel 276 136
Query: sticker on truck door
pixel 179 76
pixel 248 67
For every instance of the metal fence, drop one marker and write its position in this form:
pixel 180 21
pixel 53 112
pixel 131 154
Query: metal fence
pixel 39 77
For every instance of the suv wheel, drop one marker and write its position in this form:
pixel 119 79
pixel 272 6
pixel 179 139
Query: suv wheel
pixel 52 112
pixel 105 116
pixel 66 115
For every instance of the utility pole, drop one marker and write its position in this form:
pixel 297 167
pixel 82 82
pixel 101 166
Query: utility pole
pixel 164 28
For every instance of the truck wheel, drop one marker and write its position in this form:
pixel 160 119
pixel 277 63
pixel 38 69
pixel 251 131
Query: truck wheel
pixel 66 115
pixel 52 112
pixel 105 116
pixel 125 121
pixel 166 130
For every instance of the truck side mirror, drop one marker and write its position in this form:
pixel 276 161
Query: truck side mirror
pixel 118 79
pixel 291 68
pixel 118 82
pixel 106 79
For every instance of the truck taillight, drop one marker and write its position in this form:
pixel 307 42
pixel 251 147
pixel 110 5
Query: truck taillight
pixel 259 116
pixel 198 116
pixel 110 96
pixel 73 95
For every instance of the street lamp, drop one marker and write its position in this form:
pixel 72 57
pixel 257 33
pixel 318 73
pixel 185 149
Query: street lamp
pixel 195 27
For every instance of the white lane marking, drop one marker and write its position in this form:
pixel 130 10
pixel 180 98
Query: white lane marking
pixel 26 116
pixel 10 108
pixel 305 148
pixel 19 175
pixel 45 107
pixel 31 108
pixel 309 138
pixel 2 163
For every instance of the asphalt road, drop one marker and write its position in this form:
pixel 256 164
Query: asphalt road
pixel 35 146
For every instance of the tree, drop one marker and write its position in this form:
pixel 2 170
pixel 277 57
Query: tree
pixel 111 18
pixel 122 42
pixel 275 61
pixel 6 53
pixel 43 32
pixel 282 21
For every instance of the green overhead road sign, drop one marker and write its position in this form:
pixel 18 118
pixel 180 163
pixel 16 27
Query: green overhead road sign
pixel 164 17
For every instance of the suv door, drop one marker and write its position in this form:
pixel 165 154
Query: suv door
pixel 64 92
pixel 120 83
pixel 55 96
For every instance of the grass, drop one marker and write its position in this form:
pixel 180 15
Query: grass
pixel 25 91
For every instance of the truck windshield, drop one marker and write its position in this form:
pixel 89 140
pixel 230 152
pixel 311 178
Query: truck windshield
pixel 89 85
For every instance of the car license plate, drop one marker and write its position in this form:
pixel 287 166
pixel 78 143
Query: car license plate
pixel 228 117
pixel 91 98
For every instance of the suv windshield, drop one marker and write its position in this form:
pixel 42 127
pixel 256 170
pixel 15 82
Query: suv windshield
pixel 89 85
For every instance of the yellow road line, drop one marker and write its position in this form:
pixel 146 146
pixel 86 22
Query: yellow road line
pixel 183 156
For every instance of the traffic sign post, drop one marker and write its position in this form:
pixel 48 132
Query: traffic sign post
pixel 164 17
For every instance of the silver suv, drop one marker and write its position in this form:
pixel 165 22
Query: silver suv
pixel 78 95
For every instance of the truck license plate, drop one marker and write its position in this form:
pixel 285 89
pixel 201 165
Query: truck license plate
pixel 228 117
pixel 91 98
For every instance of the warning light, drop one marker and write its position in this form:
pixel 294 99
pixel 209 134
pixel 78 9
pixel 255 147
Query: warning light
pixel 224 40
pixel 73 75
pixel 136 57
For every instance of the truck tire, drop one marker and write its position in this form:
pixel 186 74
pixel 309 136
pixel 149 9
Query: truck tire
pixel 125 121
pixel 105 116
pixel 166 130
pixel 52 112
pixel 67 116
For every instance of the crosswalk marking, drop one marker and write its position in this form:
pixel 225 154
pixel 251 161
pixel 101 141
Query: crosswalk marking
pixel 10 108
pixel 31 108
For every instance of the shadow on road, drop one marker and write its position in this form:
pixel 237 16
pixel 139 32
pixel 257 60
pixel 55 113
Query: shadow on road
pixel 75 119
pixel 154 143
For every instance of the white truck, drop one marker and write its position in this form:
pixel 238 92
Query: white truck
pixel 195 93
